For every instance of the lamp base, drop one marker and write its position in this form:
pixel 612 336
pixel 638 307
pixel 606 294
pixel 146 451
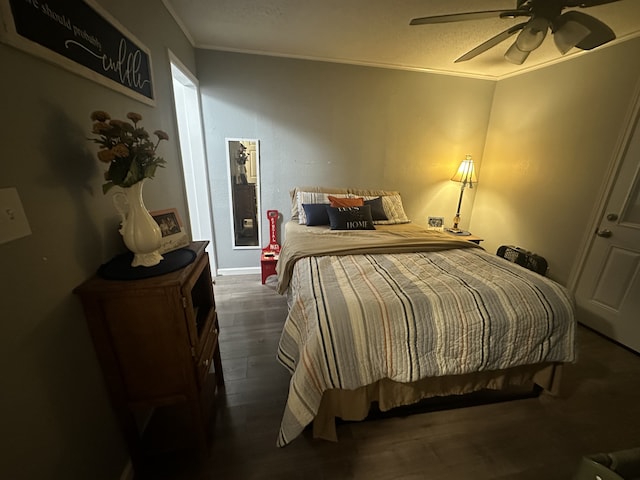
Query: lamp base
pixel 457 231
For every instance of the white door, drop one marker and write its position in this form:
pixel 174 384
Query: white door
pixel 608 290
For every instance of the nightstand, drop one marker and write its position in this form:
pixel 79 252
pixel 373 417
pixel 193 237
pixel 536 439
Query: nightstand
pixel 156 340
pixel 469 238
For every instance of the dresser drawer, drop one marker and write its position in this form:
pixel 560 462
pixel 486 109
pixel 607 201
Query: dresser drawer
pixel 210 344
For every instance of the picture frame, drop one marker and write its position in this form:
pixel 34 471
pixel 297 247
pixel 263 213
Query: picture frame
pixel 83 38
pixel 173 234
pixel 435 223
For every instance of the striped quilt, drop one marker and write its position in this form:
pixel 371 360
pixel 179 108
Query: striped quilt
pixel 356 319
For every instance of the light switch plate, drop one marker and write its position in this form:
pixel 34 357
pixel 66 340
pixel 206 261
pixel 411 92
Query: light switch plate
pixel 13 221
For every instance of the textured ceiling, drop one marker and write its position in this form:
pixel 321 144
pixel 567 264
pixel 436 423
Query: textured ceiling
pixel 377 32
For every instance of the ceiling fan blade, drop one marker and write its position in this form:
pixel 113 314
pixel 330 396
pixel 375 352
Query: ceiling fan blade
pixel 600 32
pixel 492 42
pixel 463 17
pixel 587 3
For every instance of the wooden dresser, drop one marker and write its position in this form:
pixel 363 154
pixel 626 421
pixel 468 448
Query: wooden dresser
pixel 156 340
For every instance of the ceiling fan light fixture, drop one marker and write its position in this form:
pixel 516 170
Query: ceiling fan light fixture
pixel 515 55
pixel 533 34
pixel 570 29
pixel 569 35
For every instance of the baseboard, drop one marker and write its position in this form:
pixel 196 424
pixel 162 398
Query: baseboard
pixel 127 473
pixel 239 271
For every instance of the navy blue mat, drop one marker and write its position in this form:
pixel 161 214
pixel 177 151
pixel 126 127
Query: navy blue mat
pixel 119 267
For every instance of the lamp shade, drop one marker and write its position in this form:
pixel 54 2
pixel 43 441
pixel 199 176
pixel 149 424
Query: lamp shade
pixel 532 35
pixel 515 55
pixel 569 35
pixel 466 173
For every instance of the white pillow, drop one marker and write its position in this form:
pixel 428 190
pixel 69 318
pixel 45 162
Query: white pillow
pixel 294 196
pixel 393 209
pixel 313 197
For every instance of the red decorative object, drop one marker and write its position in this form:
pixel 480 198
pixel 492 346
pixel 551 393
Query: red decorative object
pixel 269 256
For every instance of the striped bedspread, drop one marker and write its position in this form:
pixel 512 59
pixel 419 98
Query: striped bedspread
pixel 355 319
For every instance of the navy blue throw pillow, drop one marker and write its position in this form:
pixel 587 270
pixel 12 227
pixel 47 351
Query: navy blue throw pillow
pixel 350 218
pixel 377 210
pixel 316 213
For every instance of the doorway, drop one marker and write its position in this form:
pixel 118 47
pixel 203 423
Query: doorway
pixel 607 290
pixel 186 97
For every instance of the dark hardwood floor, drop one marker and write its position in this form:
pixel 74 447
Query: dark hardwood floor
pixel 534 438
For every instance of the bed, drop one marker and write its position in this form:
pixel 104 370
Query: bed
pixel 397 313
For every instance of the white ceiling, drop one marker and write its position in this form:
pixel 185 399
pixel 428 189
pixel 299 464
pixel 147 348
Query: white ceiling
pixel 377 32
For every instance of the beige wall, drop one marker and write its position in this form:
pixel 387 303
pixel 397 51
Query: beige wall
pixel 56 420
pixel 319 123
pixel 550 140
pixel 339 125
pixel 329 124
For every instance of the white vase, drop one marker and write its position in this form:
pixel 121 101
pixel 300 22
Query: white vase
pixel 140 232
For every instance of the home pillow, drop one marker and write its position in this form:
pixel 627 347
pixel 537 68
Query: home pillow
pixel 312 197
pixel 316 213
pixel 345 202
pixel 377 209
pixel 350 218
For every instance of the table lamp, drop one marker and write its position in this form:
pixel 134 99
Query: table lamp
pixel 466 175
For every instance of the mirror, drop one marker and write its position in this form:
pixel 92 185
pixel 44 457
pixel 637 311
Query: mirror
pixel 243 160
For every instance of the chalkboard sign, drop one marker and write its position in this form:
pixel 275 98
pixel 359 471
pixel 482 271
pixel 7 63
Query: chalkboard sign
pixel 81 37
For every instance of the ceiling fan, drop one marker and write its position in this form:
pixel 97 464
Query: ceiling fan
pixel 569 29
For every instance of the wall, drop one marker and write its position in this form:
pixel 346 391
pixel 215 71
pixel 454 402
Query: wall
pixel 319 123
pixel 551 137
pixel 56 420
pixel 338 125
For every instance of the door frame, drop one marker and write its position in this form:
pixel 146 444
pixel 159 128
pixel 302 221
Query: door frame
pixel 197 194
pixel 611 177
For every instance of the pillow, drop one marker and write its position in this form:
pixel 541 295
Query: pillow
pixel 377 209
pixel 312 197
pixel 350 218
pixel 359 192
pixel 345 202
pixel 316 213
pixel 296 208
pixel 393 209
